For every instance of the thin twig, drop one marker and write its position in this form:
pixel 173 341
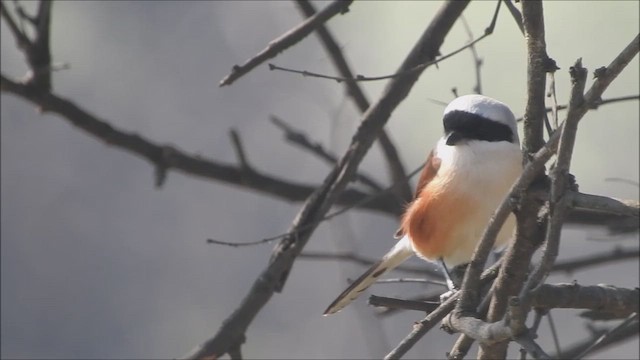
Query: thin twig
pixel 329 216
pixel 596 105
pixel 297 137
pixel 416 68
pixel 558 201
pixel 192 164
pixel 554 332
pixel 287 40
pixel 426 324
pixel 36 50
pixel 616 255
pixel 622 334
pixel 609 334
pixel 515 13
pixel 477 61
pixel 623 181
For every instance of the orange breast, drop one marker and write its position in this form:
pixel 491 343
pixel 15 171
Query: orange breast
pixel 431 221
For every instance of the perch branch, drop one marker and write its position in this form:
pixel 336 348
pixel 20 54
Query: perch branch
pixel 535 166
pixel 470 292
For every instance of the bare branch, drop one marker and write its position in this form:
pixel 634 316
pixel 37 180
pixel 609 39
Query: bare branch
pixel 417 68
pixel 605 298
pixel 422 327
pixel 426 324
pixel 288 39
pixel 22 41
pixel 537 66
pixel 239 149
pixel 554 332
pixel 633 318
pixel 274 276
pixel 396 168
pixel 477 61
pixel 515 13
pixel 616 255
pixel 604 205
pixel 299 138
pixel 594 105
pixel 169 157
pixel 624 181
pixel 470 288
pixel 611 337
pixel 533 168
pixel 36 50
pixel 559 185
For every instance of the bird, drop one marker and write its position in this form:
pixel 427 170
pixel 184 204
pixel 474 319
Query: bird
pixel 465 178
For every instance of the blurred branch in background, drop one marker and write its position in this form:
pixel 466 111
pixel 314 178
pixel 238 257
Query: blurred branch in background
pixel 168 157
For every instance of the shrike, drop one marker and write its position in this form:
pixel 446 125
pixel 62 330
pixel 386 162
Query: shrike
pixel 465 178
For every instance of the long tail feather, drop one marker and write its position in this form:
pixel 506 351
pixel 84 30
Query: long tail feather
pixel 396 256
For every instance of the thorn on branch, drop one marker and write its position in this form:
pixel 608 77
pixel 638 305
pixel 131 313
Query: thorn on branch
pixel 599 72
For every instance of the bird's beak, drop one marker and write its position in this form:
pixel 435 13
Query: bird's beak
pixel 453 138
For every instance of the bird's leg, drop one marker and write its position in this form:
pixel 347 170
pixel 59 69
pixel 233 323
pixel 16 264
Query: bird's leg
pixel 447 275
pixel 454 279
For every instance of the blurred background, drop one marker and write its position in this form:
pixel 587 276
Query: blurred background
pixel 98 263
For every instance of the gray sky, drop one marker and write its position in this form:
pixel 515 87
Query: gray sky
pixel 97 263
